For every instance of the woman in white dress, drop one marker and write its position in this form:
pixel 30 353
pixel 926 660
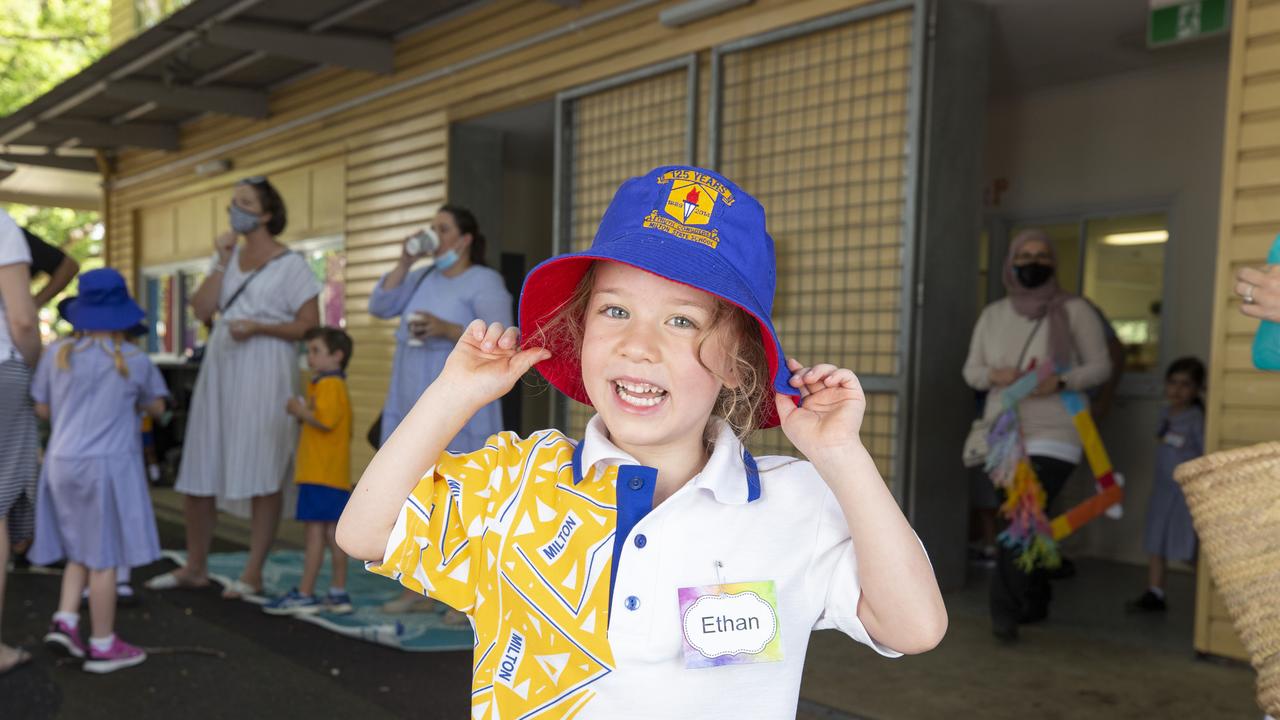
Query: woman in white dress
pixel 239 440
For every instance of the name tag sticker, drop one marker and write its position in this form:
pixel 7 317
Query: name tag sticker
pixel 730 624
pixel 1175 440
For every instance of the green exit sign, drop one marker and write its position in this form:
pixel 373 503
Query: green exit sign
pixel 1176 21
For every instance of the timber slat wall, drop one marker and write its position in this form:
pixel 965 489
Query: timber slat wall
pixel 394 149
pixel 1243 404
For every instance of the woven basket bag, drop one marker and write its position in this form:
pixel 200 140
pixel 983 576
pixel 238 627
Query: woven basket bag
pixel 1234 498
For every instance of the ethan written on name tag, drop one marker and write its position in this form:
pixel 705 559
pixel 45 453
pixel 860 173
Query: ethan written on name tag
pixel 730 624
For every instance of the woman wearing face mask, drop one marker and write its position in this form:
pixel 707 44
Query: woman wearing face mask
pixel 1037 323
pixel 435 303
pixel 239 440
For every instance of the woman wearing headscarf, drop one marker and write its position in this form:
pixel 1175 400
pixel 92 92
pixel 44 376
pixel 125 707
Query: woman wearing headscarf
pixel 1036 323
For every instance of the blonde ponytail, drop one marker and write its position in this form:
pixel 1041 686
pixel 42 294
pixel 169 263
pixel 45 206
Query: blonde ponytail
pixel 64 352
pixel 118 339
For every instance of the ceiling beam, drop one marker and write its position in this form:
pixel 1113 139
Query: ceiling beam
pixel 102 135
pixel 211 98
pixel 61 162
pixel 566 3
pixel 358 52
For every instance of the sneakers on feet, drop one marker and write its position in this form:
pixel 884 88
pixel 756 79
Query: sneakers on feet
pixel 1147 602
pixel 339 603
pixel 64 640
pixel 117 657
pixel 293 603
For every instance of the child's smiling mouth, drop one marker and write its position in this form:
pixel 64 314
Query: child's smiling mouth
pixel 638 393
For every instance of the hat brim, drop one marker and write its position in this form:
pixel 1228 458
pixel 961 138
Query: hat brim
pixel 103 318
pixel 551 284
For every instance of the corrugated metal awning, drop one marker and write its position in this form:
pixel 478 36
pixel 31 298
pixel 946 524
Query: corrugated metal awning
pixel 212 56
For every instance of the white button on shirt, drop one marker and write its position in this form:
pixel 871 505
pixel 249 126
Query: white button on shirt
pixel 709 533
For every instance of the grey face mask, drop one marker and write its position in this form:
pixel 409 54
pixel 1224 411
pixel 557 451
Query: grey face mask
pixel 243 221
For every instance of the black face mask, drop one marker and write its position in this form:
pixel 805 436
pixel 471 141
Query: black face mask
pixel 1033 275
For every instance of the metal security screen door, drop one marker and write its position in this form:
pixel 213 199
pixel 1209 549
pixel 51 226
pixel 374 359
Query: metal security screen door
pixel 819 121
pixel 606 133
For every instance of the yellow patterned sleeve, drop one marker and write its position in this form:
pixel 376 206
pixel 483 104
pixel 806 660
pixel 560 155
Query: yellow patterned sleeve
pixel 434 548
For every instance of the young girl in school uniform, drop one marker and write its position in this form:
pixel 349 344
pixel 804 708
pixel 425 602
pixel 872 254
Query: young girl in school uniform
pixel 1170 534
pixel 653 568
pixel 93 507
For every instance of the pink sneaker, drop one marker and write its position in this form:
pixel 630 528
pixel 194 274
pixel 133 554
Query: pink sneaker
pixel 119 656
pixel 65 640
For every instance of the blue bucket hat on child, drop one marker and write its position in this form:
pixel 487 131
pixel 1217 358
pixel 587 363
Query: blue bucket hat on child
pixel 682 223
pixel 103 304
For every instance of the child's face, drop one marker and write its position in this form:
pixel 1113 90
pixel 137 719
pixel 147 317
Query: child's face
pixel 319 359
pixel 640 357
pixel 1180 390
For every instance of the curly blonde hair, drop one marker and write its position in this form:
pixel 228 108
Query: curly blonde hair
pixel 745 389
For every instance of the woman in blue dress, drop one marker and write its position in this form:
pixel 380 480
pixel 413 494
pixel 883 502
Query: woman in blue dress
pixel 434 304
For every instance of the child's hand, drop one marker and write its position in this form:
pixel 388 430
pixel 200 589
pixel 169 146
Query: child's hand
pixel 832 411
pixel 295 407
pixel 487 362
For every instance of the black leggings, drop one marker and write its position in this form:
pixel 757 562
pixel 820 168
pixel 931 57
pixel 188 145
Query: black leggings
pixel 1016 594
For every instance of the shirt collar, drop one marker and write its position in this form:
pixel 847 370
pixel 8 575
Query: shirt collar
pixel 730 474
pixel 328 373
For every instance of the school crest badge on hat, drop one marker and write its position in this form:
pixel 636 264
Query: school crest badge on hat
pixel 690 202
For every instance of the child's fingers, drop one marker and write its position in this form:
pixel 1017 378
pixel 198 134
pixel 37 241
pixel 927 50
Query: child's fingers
pixel 842 376
pixel 785 406
pixel 794 365
pixel 510 338
pixel 816 373
pixel 475 329
pixel 526 359
pixel 491 335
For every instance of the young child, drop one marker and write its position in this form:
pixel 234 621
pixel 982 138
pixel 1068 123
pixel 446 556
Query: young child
pixel 1170 534
pixel 322 472
pixel 93 508
pixel 654 568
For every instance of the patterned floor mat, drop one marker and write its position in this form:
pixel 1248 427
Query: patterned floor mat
pixel 413 631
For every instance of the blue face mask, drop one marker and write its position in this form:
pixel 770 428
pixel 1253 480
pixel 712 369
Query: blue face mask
pixel 447 260
pixel 243 221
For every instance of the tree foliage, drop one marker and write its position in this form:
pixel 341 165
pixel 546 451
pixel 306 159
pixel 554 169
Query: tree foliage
pixel 43 42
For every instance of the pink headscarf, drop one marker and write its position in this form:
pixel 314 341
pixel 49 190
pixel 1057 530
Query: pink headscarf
pixel 1047 301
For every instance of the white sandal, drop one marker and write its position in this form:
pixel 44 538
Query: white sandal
pixel 170 581
pixel 240 590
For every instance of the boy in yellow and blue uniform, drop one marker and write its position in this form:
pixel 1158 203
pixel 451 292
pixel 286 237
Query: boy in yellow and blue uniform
pixel 323 471
pixel 655 568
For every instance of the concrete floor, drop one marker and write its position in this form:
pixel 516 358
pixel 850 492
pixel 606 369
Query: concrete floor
pixel 1089 660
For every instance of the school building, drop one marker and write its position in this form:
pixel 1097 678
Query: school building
pixel 897 146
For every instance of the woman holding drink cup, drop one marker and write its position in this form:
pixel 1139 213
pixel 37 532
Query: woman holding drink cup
pixel 434 304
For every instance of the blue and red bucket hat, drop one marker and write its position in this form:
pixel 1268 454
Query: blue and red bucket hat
pixel 682 223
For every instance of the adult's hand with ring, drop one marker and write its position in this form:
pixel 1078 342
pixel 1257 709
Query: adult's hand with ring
pixel 1260 290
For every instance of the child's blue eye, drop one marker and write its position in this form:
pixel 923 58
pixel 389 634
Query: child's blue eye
pixel 681 321
pixel 615 312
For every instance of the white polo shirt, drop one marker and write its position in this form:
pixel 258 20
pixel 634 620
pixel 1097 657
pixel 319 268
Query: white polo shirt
pixel 727 525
